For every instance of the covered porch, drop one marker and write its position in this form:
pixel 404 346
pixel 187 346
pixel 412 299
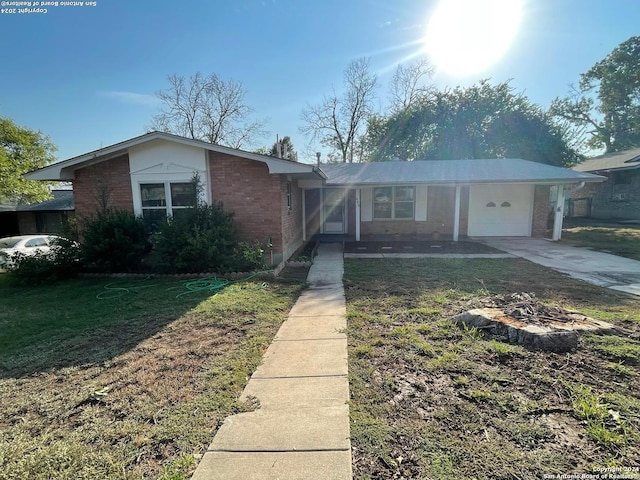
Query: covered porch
pixel 433 199
pixel 410 213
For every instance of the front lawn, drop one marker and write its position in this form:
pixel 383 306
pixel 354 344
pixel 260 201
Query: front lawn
pixel 623 240
pixel 126 379
pixel 435 401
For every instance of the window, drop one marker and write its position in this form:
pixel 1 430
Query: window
pixel 160 199
pixel 289 195
pixel 393 203
pixel 36 242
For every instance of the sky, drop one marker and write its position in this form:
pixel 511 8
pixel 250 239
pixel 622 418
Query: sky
pixel 87 75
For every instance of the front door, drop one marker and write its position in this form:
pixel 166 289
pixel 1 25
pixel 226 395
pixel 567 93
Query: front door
pixel 333 209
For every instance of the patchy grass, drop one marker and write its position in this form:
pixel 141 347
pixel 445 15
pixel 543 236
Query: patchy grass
pixel 122 380
pixel 432 400
pixel 616 239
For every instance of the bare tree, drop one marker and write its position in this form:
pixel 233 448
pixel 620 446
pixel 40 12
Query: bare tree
pixel 207 108
pixel 407 84
pixel 337 122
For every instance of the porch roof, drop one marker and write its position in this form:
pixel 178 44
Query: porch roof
pixel 454 172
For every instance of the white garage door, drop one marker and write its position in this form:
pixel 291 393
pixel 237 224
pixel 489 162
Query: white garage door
pixel 500 210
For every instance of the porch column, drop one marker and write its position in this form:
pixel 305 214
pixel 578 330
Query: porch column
pixel 304 215
pixel 357 214
pixel 559 214
pixel 456 215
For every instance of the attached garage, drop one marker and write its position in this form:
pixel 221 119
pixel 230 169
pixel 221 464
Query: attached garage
pixel 442 199
pixel 500 210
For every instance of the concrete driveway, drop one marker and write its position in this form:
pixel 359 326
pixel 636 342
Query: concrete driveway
pixel 599 268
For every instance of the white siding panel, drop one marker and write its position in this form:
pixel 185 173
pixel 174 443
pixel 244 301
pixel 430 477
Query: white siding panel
pixel 500 220
pixel 366 204
pixel 421 203
pixel 163 161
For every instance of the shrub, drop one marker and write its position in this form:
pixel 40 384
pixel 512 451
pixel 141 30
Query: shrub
pixel 62 261
pixel 202 239
pixel 199 239
pixel 246 257
pixel 114 241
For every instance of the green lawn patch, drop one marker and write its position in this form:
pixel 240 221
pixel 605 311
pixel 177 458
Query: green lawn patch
pixel 126 379
pixel 615 239
pixel 434 400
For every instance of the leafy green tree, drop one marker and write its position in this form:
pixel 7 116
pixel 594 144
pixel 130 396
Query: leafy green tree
pixel 606 104
pixel 22 150
pixel 285 150
pixel 482 121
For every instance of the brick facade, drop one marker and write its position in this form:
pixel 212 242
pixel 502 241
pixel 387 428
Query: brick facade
pixel 540 220
pixel 258 201
pixel 103 185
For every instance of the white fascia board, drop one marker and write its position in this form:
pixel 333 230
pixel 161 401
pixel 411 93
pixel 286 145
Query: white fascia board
pixel 566 181
pixel 63 170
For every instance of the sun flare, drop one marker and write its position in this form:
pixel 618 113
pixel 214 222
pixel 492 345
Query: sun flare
pixel 468 36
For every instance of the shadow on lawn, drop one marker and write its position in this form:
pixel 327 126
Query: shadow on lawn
pixel 83 322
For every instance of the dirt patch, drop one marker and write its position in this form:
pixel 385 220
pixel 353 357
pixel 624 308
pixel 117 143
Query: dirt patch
pixel 434 247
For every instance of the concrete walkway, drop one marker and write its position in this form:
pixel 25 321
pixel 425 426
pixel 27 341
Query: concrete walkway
pixel 301 430
pixel 428 255
pixel 598 268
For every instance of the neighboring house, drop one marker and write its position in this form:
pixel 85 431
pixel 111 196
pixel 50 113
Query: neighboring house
pixel 286 202
pixel 619 196
pixel 49 216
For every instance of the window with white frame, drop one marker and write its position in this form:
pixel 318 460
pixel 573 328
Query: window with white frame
pixel 393 203
pixel 160 200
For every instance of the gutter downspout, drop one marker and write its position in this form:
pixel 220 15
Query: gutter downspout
pixel 577 187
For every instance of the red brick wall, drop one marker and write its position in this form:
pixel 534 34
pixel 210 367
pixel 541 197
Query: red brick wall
pixel 103 185
pixel 539 225
pixel 255 197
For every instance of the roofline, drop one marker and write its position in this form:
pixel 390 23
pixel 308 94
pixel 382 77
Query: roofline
pixel 611 169
pixel 55 170
pixel 563 181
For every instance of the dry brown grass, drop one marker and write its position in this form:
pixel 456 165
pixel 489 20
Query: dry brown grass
pixel 125 405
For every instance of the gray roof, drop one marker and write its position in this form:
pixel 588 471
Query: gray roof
pixel 503 170
pixel 62 200
pixel 625 160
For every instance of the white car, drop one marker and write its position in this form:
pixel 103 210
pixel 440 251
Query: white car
pixel 25 245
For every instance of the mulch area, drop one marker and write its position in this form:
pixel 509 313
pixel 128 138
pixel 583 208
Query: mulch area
pixel 417 247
